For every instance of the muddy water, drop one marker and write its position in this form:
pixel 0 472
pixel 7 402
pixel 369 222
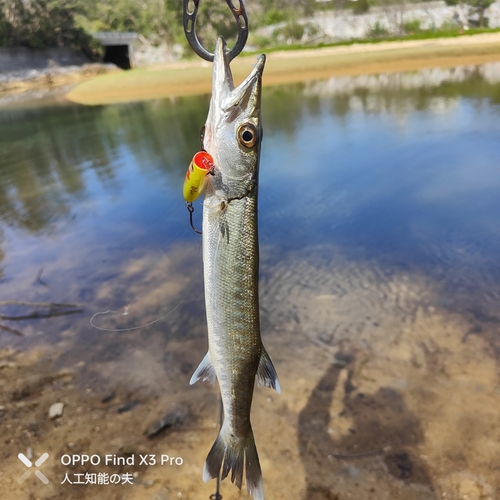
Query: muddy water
pixel 380 286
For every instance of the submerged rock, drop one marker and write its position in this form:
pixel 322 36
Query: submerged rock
pixel 173 418
pixel 56 410
pixel 128 406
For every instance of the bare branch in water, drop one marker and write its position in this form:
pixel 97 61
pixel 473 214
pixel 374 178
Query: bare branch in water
pixel 11 330
pixel 39 279
pixel 38 315
pixel 37 304
pixel 53 310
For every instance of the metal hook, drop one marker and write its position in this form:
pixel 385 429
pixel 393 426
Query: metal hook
pixel 190 208
pixel 189 20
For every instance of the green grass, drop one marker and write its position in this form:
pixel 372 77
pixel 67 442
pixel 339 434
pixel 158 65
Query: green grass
pixel 420 35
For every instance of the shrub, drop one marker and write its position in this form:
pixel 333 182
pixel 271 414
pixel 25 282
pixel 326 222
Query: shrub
pixel 413 26
pixel 273 16
pixel 293 30
pixel 360 6
pixel 378 31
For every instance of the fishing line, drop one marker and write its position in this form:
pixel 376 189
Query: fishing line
pixel 124 314
pixel 217 495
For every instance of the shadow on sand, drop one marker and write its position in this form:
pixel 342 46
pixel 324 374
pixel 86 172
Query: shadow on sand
pixel 380 430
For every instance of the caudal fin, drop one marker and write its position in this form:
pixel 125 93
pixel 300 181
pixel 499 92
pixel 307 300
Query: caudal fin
pixel 233 455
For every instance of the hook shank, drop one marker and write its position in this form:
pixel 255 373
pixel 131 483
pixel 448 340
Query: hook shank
pixel 189 20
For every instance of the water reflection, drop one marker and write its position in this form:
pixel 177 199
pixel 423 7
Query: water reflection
pixel 379 227
pixel 435 89
pixel 379 164
pixel 47 155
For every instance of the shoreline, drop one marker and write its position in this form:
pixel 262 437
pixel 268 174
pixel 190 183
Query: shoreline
pixel 35 86
pixel 194 77
pixel 98 85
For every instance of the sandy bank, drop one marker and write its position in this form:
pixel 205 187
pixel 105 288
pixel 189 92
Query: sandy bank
pixel 190 78
pixel 31 84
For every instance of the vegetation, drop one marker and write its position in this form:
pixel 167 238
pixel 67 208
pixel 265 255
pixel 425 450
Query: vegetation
pixel 53 23
pixel 42 23
pixel 360 6
pixel 56 23
pixel 378 31
pixel 475 7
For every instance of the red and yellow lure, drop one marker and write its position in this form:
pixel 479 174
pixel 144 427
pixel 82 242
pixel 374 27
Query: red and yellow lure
pixel 196 176
pixel 195 181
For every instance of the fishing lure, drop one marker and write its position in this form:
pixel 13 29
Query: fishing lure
pixel 196 176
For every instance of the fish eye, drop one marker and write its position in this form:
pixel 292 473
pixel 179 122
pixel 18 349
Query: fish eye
pixel 247 135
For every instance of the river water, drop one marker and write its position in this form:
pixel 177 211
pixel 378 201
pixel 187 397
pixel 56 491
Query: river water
pixel 379 219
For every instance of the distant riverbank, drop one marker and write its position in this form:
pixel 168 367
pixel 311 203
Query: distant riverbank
pixel 99 84
pixel 190 78
pixel 33 84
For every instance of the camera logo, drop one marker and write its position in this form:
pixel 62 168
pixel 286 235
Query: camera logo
pixel 26 461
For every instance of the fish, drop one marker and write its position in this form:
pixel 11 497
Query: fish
pixel 236 356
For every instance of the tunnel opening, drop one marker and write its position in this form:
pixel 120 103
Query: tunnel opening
pixel 117 54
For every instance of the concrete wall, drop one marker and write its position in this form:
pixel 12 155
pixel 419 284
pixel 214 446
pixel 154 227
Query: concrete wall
pixel 20 58
pixel 342 24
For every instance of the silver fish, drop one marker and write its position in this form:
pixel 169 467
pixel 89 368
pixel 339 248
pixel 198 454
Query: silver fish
pixel 236 356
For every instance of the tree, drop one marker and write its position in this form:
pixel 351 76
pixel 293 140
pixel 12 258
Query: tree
pixel 474 7
pixel 43 23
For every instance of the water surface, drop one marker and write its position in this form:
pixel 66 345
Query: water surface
pixel 379 227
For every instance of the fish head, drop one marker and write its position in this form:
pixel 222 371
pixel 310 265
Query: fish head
pixel 233 131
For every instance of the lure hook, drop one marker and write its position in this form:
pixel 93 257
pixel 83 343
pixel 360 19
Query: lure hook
pixel 189 20
pixel 190 208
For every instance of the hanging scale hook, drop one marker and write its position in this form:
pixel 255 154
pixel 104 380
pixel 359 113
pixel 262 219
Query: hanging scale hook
pixel 189 20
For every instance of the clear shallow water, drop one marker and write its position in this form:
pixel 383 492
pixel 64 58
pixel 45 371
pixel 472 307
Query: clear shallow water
pixel 379 229
pixel 399 169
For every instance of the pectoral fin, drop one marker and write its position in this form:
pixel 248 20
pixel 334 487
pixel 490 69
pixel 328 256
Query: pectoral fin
pixel 266 373
pixel 205 371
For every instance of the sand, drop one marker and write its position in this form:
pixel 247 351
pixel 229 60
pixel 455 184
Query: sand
pixel 191 78
pixel 386 392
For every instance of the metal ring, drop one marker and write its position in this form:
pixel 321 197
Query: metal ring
pixel 189 20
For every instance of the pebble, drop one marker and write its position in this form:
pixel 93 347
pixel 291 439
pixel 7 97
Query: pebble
pixel 128 406
pixel 56 410
pixel 108 397
pixel 170 420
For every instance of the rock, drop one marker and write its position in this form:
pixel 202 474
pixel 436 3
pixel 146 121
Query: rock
pixel 108 397
pixel 166 422
pixel 56 410
pixel 128 406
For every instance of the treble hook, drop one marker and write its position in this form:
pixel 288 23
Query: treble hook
pixel 189 19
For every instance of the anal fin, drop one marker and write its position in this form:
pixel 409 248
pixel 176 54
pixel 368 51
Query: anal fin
pixel 266 373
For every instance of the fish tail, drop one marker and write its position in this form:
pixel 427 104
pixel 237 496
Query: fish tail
pixel 232 454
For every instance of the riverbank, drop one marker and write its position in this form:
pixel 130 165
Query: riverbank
pixel 28 85
pixel 194 77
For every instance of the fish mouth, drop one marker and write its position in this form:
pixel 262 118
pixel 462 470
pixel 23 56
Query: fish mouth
pixel 222 84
